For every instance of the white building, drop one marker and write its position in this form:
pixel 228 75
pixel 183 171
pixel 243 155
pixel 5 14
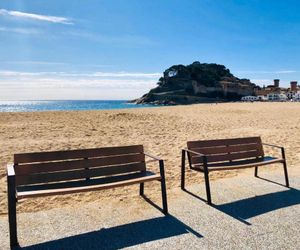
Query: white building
pixel 249 98
pixel 296 97
pixel 290 95
pixel 277 97
pixel 262 98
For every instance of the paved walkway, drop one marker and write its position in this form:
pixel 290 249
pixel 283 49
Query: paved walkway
pixel 249 213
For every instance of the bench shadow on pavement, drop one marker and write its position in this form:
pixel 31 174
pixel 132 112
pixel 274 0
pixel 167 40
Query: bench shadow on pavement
pixel 248 208
pixel 258 205
pixel 122 236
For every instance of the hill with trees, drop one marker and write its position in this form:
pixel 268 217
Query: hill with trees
pixel 197 83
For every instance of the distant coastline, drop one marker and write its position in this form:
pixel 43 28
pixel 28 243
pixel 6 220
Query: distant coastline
pixel 66 105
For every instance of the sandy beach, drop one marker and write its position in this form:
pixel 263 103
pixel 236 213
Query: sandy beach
pixel 163 131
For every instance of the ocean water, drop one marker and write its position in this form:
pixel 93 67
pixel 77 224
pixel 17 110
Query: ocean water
pixel 31 106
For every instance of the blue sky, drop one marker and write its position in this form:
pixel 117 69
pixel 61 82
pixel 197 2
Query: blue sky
pixel 95 49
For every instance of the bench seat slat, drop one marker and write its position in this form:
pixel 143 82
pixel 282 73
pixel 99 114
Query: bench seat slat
pixel 86 185
pixel 77 164
pixel 239 164
pixel 227 149
pixel 79 174
pixel 222 142
pixel 226 157
pixel 76 154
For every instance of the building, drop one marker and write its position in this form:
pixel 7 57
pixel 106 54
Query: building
pixel 249 98
pixel 277 97
pixel 294 86
pixel 270 89
pixel 273 92
pixel 296 97
pixel 262 98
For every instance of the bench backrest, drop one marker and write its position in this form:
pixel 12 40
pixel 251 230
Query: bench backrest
pixel 226 150
pixel 56 166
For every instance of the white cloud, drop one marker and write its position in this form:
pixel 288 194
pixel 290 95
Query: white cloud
pixel 50 63
pixel 44 18
pixel 285 71
pixel 261 82
pixel 7 73
pixel 266 72
pixel 126 74
pixel 93 74
pixel 120 39
pixel 79 83
pixel 33 62
pixel 64 85
pixel 25 31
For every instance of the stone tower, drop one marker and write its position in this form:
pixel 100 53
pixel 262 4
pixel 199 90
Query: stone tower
pixel 294 86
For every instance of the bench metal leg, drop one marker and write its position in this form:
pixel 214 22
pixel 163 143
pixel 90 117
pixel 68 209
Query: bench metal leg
pixel 12 212
pixel 255 171
pixel 141 188
pixel 285 168
pixel 206 176
pixel 286 174
pixel 163 187
pixel 164 197
pixel 183 170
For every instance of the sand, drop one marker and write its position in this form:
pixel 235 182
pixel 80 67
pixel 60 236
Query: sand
pixel 163 131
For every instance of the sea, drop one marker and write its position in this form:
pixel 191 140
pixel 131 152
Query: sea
pixel 66 105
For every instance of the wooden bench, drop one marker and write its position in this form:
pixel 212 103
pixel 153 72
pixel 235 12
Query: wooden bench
pixel 226 154
pixel 65 172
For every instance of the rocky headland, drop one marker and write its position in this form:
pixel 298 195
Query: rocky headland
pixel 197 83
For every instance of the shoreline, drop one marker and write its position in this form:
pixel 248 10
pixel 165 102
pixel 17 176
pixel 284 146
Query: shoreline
pixel 66 105
pixel 131 106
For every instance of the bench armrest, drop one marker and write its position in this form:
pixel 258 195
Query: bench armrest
pixel 204 157
pixel 193 152
pixel 11 180
pixel 275 146
pixel 160 163
pixel 154 158
pixel 10 170
pixel 271 145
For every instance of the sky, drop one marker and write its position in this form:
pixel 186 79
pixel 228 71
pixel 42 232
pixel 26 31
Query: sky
pixel 118 49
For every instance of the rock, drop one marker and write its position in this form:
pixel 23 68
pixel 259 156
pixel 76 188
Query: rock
pixel 197 83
